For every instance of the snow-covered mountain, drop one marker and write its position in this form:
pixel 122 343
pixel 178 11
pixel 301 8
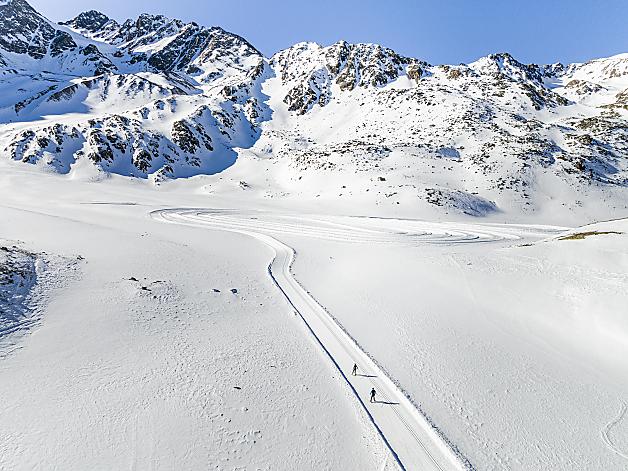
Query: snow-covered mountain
pixel 158 98
pixel 150 96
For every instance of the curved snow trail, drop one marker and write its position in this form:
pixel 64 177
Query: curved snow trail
pixel 360 230
pixel 607 430
pixel 415 443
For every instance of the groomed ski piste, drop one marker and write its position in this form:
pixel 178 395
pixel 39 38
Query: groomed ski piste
pixel 415 442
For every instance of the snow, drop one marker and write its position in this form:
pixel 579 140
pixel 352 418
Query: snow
pixel 473 142
pixel 516 351
pixel 130 376
pixel 18 274
pixel 413 441
pixel 26 281
pixel 504 343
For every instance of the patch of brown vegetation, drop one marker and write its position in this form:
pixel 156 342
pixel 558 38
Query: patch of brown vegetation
pixel 583 235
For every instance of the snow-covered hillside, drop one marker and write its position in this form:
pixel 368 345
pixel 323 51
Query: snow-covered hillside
pixel 158 98
pixel 27 280
pixel 203 343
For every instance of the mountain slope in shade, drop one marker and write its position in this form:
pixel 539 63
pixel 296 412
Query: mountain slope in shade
pixel 156 97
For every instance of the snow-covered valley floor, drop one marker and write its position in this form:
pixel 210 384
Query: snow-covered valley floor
pixel 176 347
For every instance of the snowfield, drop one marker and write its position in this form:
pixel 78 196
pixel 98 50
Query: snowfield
pixel 165 372
pixel 490 345
pixel 515 350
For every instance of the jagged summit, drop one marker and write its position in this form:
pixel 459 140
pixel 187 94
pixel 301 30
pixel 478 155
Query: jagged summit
pixel 91 21
pixel 148 31
pixel 163 43
pixel 30 41
pixel 24 31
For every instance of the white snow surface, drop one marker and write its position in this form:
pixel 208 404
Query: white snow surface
pixel 163 372
pixel 502 345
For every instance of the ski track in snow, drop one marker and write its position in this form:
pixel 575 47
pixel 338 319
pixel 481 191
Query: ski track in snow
pixel 403 232
pixel 414 441
pixel 606 431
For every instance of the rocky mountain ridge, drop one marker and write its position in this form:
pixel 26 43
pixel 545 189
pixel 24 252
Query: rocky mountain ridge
pixel 158 98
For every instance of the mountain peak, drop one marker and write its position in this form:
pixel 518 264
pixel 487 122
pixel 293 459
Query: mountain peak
pixel 15 3
pixel 312 71
pixel 24 31
pixel 505 65
pixel 91 20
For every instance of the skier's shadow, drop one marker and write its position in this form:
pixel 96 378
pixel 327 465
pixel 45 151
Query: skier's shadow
pixel 366 376
pixel 386 403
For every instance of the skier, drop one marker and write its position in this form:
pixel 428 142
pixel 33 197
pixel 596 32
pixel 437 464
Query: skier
pixel 373 395
pixel 354 371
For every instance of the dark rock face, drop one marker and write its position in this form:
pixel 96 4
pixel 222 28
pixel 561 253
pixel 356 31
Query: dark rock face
pixel 98 62
pixel 101 148
pixel 178 54
pixel 301 98
pixel 509 66
pixel 146 29
pixel 222 42
pixel 142 159
pixel 183 136
pixel 89 21
pixel 65 94
pixel 61 42
pixel 368 65
pixel 205 44
pixel 18 20
pixel 415 72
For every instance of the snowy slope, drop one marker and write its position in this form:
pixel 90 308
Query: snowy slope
pixel 480 139
pixel 148 359
pixel 18 275
pixel 27 282
pixel 330 205
pixel 508 341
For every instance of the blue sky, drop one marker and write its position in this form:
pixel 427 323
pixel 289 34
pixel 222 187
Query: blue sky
pixel 439 31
